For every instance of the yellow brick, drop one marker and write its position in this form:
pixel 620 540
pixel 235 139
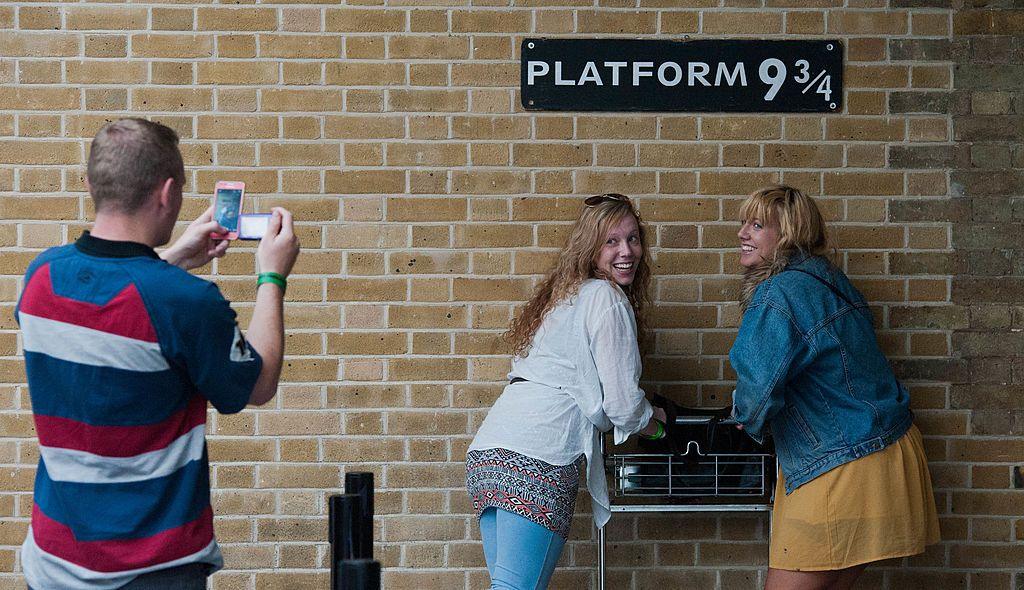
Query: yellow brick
pixel 363 182
pixel 618 127
pixel 426 154
pixel 165 72
pixel 289 100
pixel 480 235
pixel 428 21
pixel 172 45
pixel 236 19
pixel 426 423
pixel 679 22
pixel 105 17
pixel 422 208
pixel 371 47
pixel 172 19
pixel 803 156
pixel 619 22
pixel 864 183
pixel 364 127
pixel 256 180
pixel 805 23
pixel 36 180
pixel 484 74
pixel 238 46
pixel 39 152
pixel 551 154
pixel 874 76
pixel 32 17
pixel 745 128
pixel 490 21
pixel 237 73
pixel 868 22
pixel 172 99
pixel 429 46
pixel 300 46
pixel 366 289
pixel 298 476
pixel 865 129
pixel 734 183
pixel 427 100
pixel 678 155
pixel 361 73
pixel 299 154
pixel 300 19
pixel 427 369
pixel 472 289
pixel 365 20
pixel 15 44
pixel 106 72
pixel 236 127
pixel 39 99
pixel 740 23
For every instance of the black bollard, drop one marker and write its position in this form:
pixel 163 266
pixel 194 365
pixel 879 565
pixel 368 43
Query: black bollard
pixel 357 574
pixel 361 484
pixel 343 530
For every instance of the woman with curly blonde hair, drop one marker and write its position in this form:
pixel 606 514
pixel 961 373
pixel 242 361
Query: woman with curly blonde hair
pixel 854 486
pixel 575 374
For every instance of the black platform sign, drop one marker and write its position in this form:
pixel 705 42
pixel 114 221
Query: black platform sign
pixel 704 75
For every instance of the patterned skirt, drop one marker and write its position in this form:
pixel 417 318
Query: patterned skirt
pixel 531 488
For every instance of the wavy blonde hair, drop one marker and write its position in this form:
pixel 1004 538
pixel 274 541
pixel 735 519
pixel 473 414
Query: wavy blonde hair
pixel 801 230
pixel 577 263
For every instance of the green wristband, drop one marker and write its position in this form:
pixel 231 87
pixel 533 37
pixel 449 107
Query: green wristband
pixel 658 434
pixel 272 278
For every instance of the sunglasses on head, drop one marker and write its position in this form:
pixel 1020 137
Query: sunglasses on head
pixel 596 200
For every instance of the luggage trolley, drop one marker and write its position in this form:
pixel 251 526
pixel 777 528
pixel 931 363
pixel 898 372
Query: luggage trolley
pixel 693 480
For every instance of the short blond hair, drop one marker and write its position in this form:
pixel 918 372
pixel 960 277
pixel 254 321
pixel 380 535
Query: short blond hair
pixel 801 225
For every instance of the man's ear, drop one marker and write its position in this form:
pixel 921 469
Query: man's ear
pixel 165 191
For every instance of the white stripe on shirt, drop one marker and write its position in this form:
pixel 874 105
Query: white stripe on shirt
pixel 83 467
pixel 87 346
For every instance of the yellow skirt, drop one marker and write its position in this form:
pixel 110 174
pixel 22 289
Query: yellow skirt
pixel 876 507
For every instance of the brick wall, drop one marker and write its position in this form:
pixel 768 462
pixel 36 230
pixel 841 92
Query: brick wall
pixel 429 202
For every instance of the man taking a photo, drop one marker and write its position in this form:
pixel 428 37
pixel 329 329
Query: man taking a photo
pixel 123 350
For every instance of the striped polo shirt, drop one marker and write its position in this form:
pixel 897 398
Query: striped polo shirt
pixel 123 351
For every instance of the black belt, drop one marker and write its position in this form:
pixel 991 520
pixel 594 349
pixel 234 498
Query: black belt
pixel 516 380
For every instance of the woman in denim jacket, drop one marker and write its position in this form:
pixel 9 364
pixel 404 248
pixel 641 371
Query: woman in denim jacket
pixel 854 485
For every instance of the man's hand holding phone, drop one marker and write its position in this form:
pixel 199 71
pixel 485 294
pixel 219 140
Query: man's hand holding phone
pixel 197 246
pixel 279 247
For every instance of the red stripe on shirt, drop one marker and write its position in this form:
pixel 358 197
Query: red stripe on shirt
pixel 120 441
pixel 123 554
pixel 124 315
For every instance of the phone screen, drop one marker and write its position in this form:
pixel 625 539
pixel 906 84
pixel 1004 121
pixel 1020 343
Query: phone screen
pixel 227 206
pixel 253 226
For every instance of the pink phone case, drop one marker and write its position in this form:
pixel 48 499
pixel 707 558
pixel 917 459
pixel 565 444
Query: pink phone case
pixel 227 207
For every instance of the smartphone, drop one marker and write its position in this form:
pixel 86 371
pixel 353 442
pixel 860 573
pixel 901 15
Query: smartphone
pixel 227 207
pixel 252 226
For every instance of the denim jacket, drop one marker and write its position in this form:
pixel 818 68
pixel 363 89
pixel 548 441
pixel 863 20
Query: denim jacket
pixel 809 370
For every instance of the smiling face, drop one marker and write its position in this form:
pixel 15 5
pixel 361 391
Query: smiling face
pixel 758 242
pixel 621 253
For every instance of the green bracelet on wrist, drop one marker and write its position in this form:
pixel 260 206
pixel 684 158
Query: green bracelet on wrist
pixel 272 278
pixel 658 434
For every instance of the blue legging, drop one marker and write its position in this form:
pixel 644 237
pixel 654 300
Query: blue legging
pixel 520 553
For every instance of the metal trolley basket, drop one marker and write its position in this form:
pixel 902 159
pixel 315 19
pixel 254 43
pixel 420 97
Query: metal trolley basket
pixel 689 481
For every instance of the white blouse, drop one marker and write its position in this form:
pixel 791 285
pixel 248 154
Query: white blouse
pixel 582 374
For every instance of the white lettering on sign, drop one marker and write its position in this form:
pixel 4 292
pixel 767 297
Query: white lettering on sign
pixel 668 73
pixel 534 69
pixel 642 69
pixel 615 66
pixel 738 73
pixel 676 70
pixel 698 70
pixel 590 74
